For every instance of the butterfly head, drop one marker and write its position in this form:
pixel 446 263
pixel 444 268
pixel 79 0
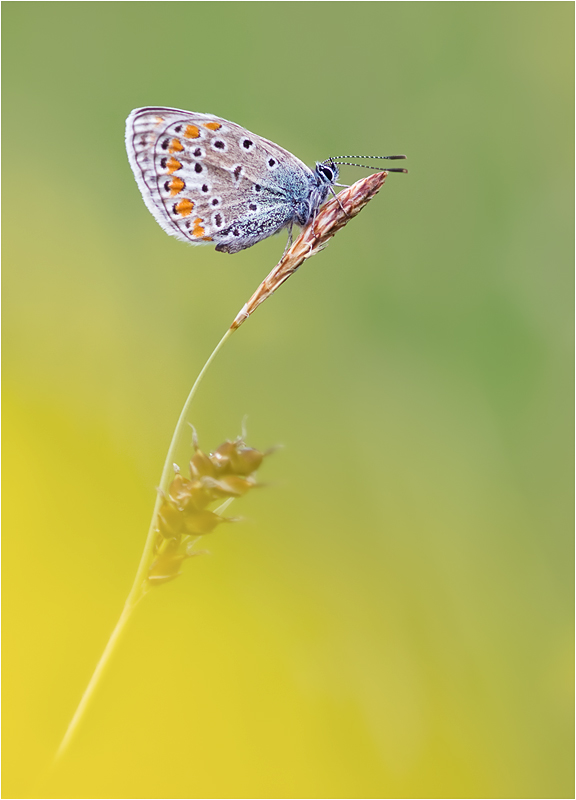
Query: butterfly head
pixel 326 171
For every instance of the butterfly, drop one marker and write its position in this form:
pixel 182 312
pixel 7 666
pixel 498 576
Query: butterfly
pixel 207 180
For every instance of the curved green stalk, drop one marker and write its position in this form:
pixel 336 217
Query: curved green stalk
pixel 333 216
pixel 139 587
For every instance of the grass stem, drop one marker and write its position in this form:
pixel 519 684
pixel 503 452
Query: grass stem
pixel 333 216
pixel 139 587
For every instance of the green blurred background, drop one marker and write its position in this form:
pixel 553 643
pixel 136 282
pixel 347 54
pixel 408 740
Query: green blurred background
pixel 394 617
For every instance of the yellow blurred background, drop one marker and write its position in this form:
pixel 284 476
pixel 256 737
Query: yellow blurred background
pixel 393 618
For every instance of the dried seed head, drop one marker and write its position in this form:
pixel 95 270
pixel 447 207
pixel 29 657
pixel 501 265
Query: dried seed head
pixel 228 472
pixel 330 219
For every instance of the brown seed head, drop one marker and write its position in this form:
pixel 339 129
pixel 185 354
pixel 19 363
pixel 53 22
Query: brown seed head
pixel 228 472
pixel 332 216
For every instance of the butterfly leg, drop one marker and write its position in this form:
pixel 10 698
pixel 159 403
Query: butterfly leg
pixel 289 242
pixel 335 196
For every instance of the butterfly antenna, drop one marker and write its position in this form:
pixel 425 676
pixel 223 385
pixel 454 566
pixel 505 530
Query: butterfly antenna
pixel 335 160
pixel 365 166
pixel 391 157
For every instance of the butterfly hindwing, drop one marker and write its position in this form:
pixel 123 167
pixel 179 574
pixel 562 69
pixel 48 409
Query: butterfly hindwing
pixel 208 180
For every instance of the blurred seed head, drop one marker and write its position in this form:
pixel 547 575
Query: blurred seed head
pixel 226 473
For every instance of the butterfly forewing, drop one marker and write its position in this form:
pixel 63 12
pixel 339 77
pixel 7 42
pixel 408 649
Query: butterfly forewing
pixel 208 180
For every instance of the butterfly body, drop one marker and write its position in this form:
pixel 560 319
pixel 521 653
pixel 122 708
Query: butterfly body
pixel 210 181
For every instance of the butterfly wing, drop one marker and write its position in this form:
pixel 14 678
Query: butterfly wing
pixel 207 180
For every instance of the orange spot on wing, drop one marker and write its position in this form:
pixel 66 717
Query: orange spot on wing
pixel 175 146
pixel 159 120
pixel 176 185
pixel 173 165
pixel 207 239
pixel 212 126
pixel 198 230
pixel 191 132
pixel 184 208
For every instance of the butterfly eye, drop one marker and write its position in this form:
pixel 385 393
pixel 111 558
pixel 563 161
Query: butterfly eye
pixel 325 172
